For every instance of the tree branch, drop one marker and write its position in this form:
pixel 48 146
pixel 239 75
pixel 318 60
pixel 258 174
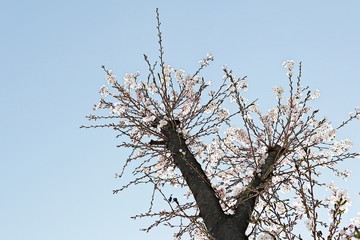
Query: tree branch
pixel 247 199
pixel 199 184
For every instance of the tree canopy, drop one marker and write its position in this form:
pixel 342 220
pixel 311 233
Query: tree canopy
pixel 244 173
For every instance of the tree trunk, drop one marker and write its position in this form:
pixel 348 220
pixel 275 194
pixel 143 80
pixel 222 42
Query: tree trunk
pixel 220 225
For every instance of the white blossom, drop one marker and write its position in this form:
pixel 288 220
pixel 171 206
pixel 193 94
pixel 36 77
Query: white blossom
pixel 289 65
pixel 315 94
pixel 162 123
pixel 168 70
pixel 130 79
pixel 104 91
pixel 152 88
pixel 341 146
pixel 110 77
pixel 355 114
pixel 309 224
pixel 299 207
pixel 211 107
pixel 179 75
pixel 209 57
pixel 279 92
pixel 223 114
pixel 118 109
pixel 243 85
pixel 148 118
pixel 356 220
pixel 280 207
pixel 331 186
pixel 205 62
pixel 340 197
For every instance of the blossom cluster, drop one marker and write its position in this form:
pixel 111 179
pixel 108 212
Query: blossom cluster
pixel 205 62
pixel 231 145
pixel 289 65
pixel 356 113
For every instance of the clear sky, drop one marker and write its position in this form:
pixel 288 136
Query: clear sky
pixel 56 180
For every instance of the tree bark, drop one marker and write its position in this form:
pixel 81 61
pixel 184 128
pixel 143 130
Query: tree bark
pixel 220 225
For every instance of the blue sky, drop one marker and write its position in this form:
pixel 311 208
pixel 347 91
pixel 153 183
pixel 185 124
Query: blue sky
pixel 56 179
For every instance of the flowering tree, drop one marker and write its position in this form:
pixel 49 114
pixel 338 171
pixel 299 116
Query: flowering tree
pixel 243 173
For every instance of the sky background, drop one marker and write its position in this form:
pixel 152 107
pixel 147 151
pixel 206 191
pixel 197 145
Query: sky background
pixel 56 180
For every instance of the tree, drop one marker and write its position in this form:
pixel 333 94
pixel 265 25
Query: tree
pixel 245 174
